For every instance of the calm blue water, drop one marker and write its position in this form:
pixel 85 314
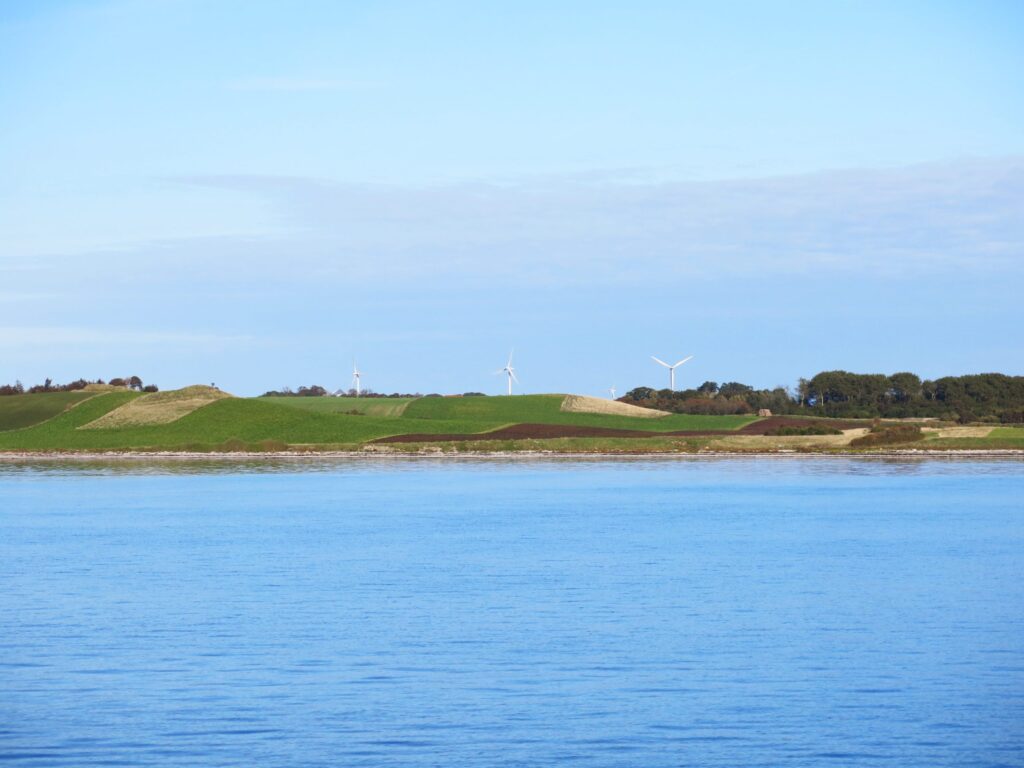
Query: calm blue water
pixel 431 613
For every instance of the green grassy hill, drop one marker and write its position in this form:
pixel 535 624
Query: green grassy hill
pixel 277 423
pixel 20 411
pixel 248 421
pixel 544 409
pixel 368 406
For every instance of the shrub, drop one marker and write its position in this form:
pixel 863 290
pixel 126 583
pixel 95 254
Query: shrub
pixel 883 435
pixel 271 445
pixel 810 429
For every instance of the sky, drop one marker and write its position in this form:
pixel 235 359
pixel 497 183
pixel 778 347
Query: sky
pixel 255 194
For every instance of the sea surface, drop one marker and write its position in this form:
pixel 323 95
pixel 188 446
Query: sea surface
pixel 680 612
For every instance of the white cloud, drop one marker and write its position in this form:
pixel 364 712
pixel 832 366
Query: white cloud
pixel 14 337
pixel 903 223
pixel 896 221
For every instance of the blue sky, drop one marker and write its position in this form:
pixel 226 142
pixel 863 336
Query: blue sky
pixel 254 193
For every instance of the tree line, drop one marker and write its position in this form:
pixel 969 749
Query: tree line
pixel 128 382
pixel 986 397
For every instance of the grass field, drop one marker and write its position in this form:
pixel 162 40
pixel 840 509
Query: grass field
pixel 1000 438
pixel 387 407
pixel 20 411
pixel 158 408
pixel 246 421
pixel 544 409
pixel 47 422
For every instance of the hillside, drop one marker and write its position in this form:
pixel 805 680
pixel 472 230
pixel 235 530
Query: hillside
pixel 198 419
pixel 158 408
pixel 201 419
pixel 20 411
pixel 547 409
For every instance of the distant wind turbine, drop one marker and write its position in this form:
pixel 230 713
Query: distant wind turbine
pixel 671 370
pixel 357 377
pixel 510 372
pixel 612 391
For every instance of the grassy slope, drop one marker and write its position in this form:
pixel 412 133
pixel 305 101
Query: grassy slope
pixel 19 411
pixel 248 420
pixel 999 438
pixel 370 406
pixel 544 409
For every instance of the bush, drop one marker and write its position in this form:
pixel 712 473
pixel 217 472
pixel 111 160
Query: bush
pixel 882 435
pixel 810 429
pixel 271 445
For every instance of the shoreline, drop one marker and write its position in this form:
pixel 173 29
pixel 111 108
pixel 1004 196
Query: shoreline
pixel 71 456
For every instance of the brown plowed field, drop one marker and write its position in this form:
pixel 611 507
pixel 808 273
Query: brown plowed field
pixel 547 431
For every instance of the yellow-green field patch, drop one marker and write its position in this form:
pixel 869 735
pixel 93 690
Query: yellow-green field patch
pixel 584 404
pixel 158 408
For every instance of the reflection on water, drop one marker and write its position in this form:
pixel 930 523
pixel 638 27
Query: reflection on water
pixel 652 612
pixel 787 465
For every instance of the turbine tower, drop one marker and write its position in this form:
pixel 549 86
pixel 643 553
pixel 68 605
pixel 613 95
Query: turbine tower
pixel 611 391
pixel 510 372
pixel 356 378
pixel 671 370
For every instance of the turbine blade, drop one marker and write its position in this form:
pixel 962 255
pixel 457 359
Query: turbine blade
pixel 513 375
pixel 685 359
pixel 660 362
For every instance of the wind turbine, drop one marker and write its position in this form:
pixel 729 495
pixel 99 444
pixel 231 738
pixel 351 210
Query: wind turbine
pixel 356 378
pixel 611 391
pixel 510 372
pixel 671 370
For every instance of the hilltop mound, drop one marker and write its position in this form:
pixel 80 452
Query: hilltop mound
pixel 102 388
pixel 158 408
pixel 584 404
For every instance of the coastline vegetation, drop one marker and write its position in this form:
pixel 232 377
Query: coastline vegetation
pixel 203 419
pixel 987 397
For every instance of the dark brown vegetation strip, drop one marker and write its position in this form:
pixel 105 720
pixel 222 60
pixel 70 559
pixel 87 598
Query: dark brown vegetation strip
pixel 547 431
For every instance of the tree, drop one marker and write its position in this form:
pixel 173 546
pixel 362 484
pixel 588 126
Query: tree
pixel 734 389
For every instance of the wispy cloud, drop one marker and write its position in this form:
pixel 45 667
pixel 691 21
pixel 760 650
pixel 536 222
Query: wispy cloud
pixel 295 84
pixel 934 219
pixel 895 221
pixel 13 337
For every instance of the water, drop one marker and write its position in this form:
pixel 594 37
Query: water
pixel 438 613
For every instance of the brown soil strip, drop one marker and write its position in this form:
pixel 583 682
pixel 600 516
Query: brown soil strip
pixel 547 431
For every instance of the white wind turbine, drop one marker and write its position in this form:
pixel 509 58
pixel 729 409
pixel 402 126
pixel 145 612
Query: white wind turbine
pixel 612 391
pixel 671 370
pixel 510 372
pixel 357 378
